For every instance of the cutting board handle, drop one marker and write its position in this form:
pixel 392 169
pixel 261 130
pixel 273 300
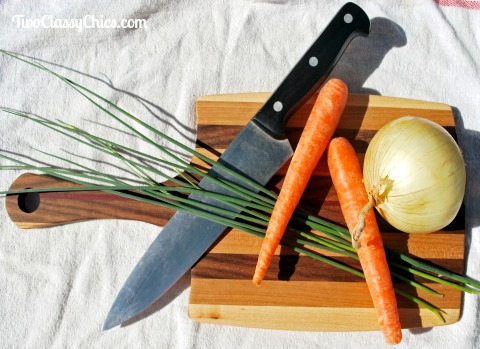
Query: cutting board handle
pixel 38 210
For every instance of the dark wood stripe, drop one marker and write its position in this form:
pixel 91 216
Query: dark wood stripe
pixel 287 267
pixel 220 136
pixel 283 267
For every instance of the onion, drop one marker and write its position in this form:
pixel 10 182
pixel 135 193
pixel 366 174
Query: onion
pixel 415 174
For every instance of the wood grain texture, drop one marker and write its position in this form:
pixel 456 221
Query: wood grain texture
pixel 299 293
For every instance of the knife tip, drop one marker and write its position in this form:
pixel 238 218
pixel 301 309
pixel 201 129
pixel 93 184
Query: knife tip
pixel 110 323
pixel 119 313
pixel 114 319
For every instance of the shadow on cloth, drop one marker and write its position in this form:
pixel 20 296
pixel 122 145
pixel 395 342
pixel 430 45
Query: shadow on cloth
pixel 469 142
pixel 365 54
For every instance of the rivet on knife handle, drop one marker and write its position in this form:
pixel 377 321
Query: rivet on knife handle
pixel 312 69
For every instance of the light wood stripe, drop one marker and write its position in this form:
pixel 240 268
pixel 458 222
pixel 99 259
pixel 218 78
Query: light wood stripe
pixel 441 245
pixel 362 111
pixel 317 294
pixel 329 319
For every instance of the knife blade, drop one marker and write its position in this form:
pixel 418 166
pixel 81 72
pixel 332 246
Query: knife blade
pixel 259 150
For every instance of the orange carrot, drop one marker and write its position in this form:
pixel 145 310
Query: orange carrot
pixel 347 180
pixel 318 131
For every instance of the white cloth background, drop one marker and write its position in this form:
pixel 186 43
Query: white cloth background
pixel 57 284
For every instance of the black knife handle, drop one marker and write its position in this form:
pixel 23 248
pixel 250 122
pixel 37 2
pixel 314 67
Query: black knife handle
pixel 313 68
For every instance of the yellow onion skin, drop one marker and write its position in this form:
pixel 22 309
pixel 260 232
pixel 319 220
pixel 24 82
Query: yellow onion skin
pixel 416 174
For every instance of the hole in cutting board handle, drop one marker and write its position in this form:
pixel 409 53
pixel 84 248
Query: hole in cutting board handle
pixel 28 202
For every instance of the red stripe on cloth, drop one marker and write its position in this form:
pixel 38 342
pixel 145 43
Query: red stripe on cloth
pixel 468 4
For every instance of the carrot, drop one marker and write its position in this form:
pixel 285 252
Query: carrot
pixel 318 131
pixel 348 183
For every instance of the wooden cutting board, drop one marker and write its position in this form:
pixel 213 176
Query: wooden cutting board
pixel 298 293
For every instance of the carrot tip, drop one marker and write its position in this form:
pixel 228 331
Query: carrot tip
pixel 256 282
pixel 395 340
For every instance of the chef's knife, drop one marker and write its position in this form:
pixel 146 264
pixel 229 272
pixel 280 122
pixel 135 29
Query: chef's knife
pixel 258 151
